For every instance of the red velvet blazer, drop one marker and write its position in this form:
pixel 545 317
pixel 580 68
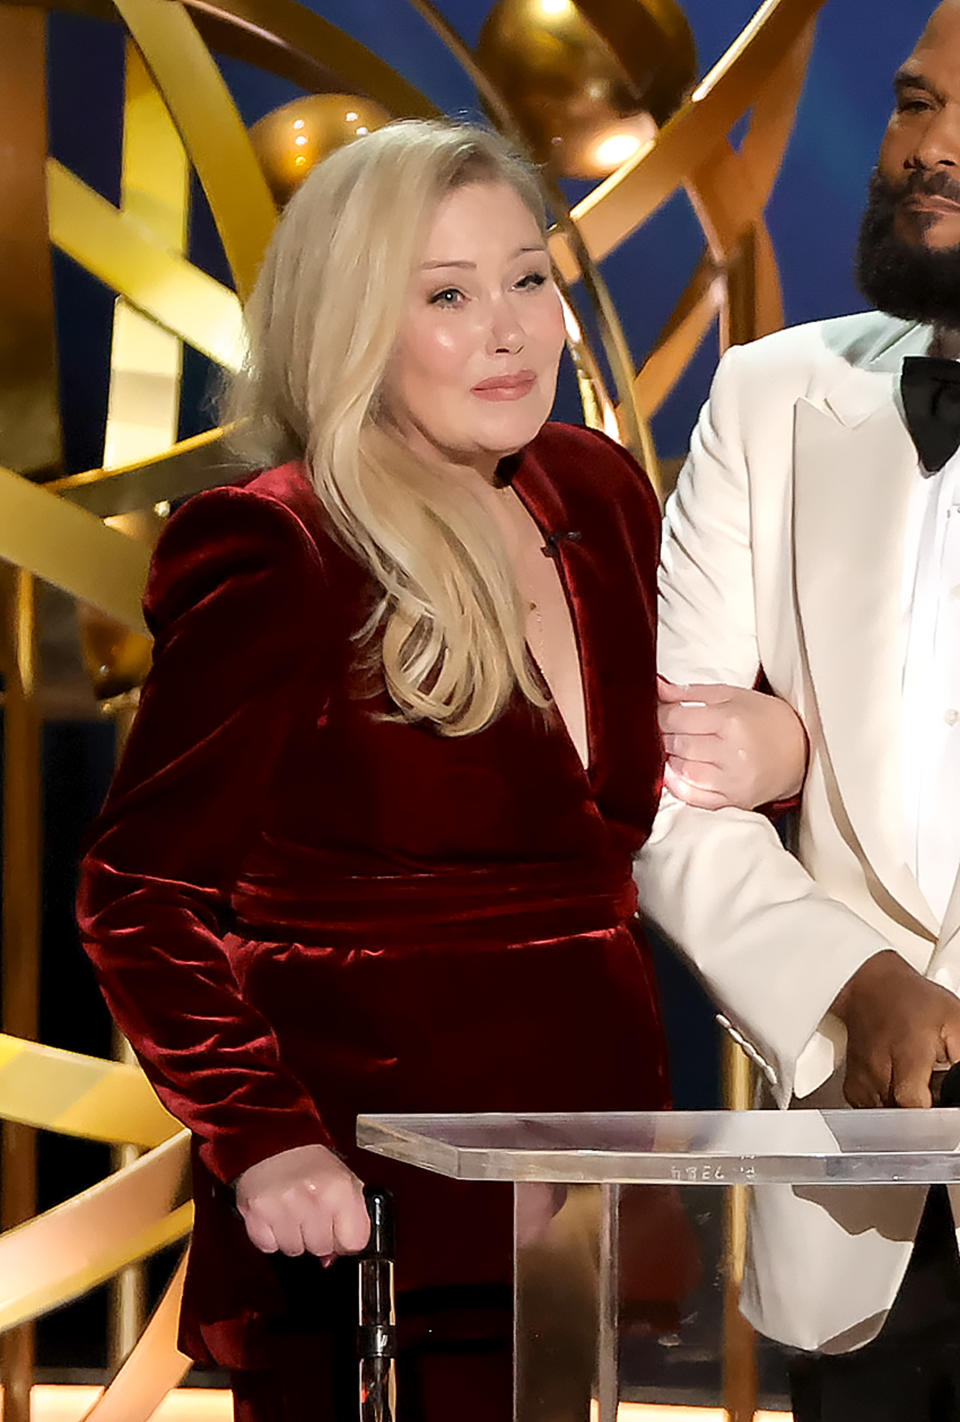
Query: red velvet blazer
pixel 300 908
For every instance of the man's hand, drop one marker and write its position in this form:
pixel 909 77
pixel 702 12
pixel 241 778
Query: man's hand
pixel 536 1206
pixel 728 746
pixel 899 1026
pixel 303 1200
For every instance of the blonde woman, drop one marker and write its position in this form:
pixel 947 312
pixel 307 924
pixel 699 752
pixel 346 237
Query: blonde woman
pixel 370 845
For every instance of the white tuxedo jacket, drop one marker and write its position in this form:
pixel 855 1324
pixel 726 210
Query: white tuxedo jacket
pixel 783 548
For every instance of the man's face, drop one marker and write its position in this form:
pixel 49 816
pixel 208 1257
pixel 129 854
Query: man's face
pixel 920 157
pixel 909 257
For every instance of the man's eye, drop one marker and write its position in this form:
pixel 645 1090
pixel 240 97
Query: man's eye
pixel 913 106
pixel 531 281
pixel 450 296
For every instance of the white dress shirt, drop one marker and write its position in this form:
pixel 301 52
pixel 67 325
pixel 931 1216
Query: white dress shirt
pixel 931 684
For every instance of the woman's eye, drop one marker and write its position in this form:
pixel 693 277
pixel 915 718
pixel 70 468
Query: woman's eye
pixel 531 281
pixel 450 296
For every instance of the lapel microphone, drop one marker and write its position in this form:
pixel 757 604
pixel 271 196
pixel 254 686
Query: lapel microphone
pixel 551 546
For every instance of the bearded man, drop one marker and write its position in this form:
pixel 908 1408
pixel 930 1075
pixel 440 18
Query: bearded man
pixel 815 537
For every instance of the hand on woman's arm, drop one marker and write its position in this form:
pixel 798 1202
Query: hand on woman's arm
pixel 729 746
pixel 303 1200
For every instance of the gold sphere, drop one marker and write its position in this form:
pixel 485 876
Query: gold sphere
pixel 294 138
pixel 592 81
pixel 117 659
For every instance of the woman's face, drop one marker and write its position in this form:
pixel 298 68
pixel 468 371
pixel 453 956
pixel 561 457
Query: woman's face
pixel 474 372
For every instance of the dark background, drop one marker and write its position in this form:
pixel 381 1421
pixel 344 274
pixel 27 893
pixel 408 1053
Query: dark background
pixel 813 217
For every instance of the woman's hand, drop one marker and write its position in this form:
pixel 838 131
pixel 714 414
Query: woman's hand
pixel 303 1200
pixel 727 746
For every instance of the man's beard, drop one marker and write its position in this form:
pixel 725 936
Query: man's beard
pixel 907 279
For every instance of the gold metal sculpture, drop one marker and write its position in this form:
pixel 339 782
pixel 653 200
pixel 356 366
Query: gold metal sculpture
pixel 590 84
pixel 291 139
pixel 603 70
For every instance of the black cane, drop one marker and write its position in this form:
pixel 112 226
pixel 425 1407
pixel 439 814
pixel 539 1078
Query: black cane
pixel 377 1331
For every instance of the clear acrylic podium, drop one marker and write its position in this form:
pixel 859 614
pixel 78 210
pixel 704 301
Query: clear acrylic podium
pixel 629 1235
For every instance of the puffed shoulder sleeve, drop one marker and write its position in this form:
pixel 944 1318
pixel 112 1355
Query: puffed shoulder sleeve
pixel 234 601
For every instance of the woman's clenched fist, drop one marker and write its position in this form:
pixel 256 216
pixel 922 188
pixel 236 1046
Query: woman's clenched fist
pixel 303 1200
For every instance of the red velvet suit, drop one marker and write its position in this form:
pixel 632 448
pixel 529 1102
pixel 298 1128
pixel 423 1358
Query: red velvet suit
pixel 300 909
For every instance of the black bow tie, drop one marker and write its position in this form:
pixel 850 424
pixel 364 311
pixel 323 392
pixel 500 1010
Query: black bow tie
pixel 930 388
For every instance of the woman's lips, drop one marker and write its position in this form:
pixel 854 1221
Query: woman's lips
pixel 506 387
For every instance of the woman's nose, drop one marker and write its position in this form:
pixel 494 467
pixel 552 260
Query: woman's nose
pixel 507 335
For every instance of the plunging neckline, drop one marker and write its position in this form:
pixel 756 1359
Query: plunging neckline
pixel 556 557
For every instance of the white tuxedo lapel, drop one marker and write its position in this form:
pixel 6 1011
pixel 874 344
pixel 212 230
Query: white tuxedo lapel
pixel 855 464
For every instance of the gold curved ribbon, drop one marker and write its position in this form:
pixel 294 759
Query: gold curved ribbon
pixel 154 1367
pixel 72 549
pixel 279 32
pixel 131 261
pixel 128 1216
pixel 212 130
pixel 77 1095
pixel 186 467
pixel 624 201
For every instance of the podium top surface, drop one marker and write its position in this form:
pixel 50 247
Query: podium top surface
pixel 683 1147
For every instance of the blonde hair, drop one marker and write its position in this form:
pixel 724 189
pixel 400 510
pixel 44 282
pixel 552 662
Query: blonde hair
pixel 322 323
